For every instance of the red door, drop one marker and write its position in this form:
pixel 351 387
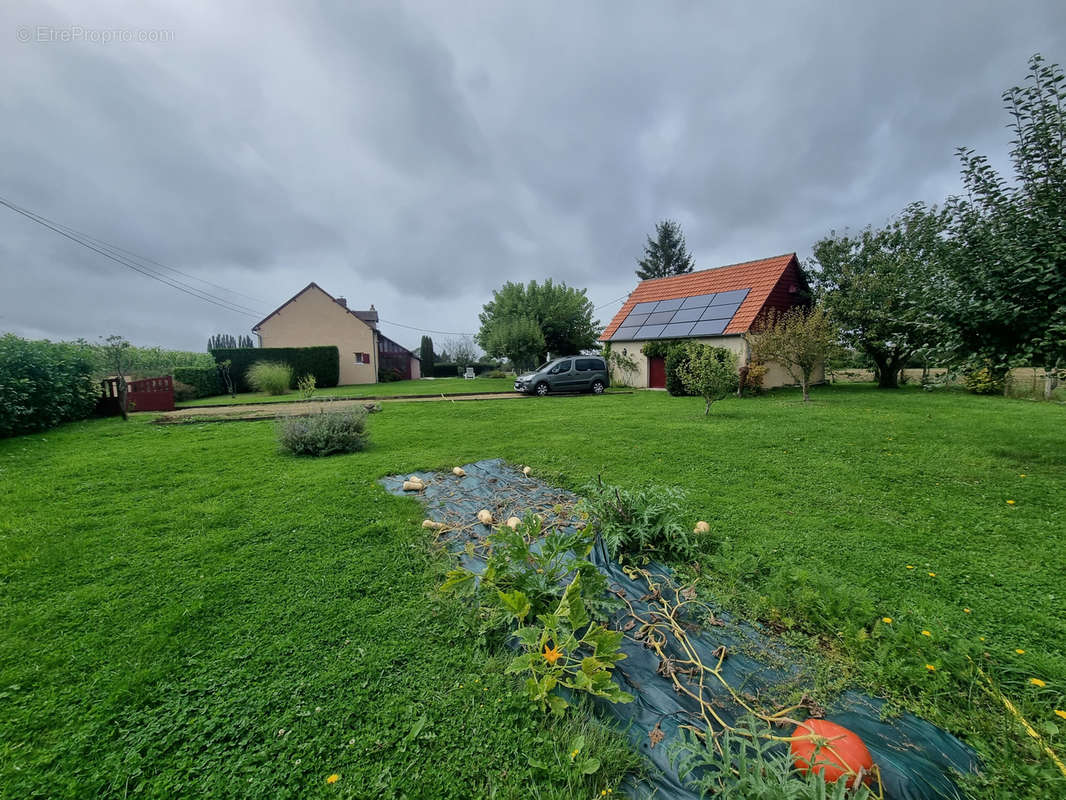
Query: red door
pixel 656 373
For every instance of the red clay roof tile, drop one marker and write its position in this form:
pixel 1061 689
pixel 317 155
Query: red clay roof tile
pixel 759 276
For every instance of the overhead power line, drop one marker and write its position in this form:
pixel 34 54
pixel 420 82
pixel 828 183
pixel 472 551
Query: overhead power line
pixel 135 262
pixel 423 330
pixel 612 302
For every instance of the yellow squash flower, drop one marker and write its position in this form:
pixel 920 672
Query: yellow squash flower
pixel 1010 502
pixel 932 574
pixel 333 778
pixel 1019 651
pixel 926 633
pixel 1037 682
pixel 930 667
pixel 887 620
pixel 1059 712
pixel 551 655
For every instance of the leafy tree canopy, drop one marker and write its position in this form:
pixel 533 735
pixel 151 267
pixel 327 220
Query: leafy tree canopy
pixel 666 254
pixel 709 372
pixel 799 340
pixel 562 315
pixel 518 339
pixel 1004 297
pixel 875 286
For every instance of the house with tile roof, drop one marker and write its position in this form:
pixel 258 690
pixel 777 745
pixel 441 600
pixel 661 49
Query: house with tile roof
pixel 314 317
pixel 715 306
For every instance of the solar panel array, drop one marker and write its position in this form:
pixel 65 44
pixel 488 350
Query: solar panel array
pixel 702 315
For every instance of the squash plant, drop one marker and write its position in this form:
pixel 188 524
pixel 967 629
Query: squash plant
pixel 565 648
pixel 545 585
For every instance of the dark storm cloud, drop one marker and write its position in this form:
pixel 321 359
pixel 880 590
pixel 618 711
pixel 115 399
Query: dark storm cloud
pixel 416 156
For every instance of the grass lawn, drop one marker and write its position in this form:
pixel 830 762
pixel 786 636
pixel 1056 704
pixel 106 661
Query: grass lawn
pixel 187 611
pixel 393 389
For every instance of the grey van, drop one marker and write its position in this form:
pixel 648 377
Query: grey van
pixel 569 374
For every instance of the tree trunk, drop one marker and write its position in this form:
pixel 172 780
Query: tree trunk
pixel 887 373
pixel 806 383
pixel 707 408
pixel 123 397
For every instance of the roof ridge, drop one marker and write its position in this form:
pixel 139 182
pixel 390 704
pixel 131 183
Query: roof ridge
pixel 723 266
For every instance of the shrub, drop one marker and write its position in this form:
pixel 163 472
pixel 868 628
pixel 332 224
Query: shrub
pixel 389 375
pixel 322 362
pixel 203 381
pixel 270 377
pixel 43 384
pixel 750 378
pixel 710 372
pixel 983 381
pixel 494 373
pixel 306 386
pixel 642 522
pixel 324 433
pixel 184 392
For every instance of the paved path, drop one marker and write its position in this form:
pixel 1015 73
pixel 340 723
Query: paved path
pixel 270 410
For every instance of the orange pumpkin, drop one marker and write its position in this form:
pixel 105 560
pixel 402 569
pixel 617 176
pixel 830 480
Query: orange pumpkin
pixel 840 752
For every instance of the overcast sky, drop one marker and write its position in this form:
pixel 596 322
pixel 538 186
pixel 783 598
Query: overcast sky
pixel 417 155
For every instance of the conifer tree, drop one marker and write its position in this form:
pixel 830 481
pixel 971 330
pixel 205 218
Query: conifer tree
pixel 666 254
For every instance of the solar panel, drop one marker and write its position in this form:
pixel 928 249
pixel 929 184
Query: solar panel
pixel 710 327
pixel 702 315
pixel 676 329
pixel 699 301
pixel 720 312
pixel 669 305
pixel 736 296
pixel 660 318
pixel 687 315
pixel 650 331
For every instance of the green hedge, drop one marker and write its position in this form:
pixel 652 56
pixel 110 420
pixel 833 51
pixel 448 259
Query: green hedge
pixel 322 362
pixel 453 370
pixel 43 384
pixel 204 380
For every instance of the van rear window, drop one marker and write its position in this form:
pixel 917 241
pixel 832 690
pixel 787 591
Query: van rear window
pixel 589 364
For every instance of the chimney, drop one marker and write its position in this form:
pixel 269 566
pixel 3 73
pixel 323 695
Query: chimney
pixel 343 302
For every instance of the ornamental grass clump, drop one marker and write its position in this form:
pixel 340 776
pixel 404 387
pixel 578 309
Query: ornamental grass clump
pixel 271 377
pixel 324 433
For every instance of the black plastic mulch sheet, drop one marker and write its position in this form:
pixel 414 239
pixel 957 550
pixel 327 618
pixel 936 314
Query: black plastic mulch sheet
pixel 917 760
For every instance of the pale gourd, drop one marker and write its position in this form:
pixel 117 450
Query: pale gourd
pixel 484 516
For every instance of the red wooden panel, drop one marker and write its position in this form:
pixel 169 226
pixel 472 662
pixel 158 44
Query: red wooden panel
pixel 151 394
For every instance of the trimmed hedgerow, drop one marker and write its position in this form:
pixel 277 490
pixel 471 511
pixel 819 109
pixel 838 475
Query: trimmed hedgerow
pixel 44 384
pixel 324 433
pixel 204 381
pixel 322 362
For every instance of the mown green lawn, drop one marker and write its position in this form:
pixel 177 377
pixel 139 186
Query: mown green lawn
pixel 173 598
pixel 393 389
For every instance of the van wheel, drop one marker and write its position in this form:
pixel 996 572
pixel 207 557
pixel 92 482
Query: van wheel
pixel 541 389
pixel 597 387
